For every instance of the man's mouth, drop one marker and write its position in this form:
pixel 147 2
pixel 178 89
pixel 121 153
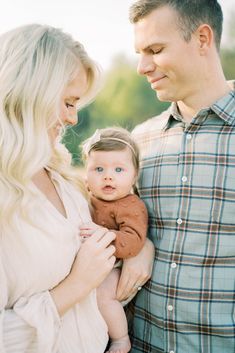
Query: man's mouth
pixel 154 81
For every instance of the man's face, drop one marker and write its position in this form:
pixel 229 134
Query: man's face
pixel 170 64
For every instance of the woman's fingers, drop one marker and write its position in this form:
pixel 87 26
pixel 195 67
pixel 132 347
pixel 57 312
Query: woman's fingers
pixel 103 237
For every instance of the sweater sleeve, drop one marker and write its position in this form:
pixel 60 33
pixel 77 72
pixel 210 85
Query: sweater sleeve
pixel 132 218
pixel 32 325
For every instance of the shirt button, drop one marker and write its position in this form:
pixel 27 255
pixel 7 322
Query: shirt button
pixel 188 136
pixel 173 265
pixel 184 179
pixel 170 307
pixel 179 221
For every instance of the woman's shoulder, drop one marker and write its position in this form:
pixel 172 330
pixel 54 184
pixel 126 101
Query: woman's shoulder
pixel 74 187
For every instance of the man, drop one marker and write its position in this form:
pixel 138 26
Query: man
pixel 187 181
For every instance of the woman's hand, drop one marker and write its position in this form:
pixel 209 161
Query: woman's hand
pixel 135 272
pixel 94 260
pixel 88 229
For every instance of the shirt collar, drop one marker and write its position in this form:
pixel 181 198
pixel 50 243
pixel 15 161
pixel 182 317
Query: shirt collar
pixel 173 114
pixel 224 108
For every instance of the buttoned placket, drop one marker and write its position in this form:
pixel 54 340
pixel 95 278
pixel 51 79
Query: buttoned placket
pixel 183 179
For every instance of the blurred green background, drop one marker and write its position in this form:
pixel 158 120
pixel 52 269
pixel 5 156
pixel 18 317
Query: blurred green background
pixel 127 99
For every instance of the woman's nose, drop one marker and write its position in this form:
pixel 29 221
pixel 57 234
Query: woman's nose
pixel 72 118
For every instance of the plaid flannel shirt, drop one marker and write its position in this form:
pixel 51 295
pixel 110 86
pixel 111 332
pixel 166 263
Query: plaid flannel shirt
pixel 188 184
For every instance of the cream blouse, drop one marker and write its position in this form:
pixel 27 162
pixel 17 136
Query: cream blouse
pixel 34 260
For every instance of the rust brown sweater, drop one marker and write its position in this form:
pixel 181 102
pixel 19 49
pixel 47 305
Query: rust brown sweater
pixel 128 218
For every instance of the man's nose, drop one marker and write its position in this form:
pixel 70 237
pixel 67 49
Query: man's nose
pixel 145 65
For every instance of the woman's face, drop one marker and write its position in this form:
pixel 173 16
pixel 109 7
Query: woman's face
pixel 68 105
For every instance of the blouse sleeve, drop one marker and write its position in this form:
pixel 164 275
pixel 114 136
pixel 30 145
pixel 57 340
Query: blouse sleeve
pixel 32 325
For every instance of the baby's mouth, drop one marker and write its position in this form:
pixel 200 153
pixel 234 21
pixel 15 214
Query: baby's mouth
pixel 108 188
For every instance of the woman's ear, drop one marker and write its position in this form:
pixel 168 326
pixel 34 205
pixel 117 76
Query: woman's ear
pixel 86 185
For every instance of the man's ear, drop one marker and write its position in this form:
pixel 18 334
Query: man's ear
pixel 205 38
pixel 231 84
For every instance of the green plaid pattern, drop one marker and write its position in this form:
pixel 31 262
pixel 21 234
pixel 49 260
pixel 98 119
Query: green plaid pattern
pixel 188 184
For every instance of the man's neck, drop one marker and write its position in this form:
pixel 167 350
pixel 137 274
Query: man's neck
pixel 208 94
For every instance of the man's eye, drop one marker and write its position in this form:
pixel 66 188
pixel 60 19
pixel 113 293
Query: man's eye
pixel 118 169
pixel 156 51
pixel 99 169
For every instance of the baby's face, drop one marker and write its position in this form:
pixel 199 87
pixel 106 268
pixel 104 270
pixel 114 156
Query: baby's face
pixel 110 174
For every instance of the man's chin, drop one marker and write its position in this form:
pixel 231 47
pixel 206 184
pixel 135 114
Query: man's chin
pixel 164 97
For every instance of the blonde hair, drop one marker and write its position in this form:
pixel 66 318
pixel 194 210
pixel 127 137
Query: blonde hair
pixel 36 64
pixel 111 139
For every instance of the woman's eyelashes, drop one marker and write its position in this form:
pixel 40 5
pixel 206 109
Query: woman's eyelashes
pixel 69 105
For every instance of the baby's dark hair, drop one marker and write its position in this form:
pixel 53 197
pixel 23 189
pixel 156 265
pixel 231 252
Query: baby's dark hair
pixel 112 139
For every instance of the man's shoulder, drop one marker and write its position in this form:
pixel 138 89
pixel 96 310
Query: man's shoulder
pixel 157 122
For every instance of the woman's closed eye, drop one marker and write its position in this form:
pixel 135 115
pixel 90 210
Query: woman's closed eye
pixel 68 105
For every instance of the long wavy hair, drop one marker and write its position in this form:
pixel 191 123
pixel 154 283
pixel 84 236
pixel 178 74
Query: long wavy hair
pixel 36 64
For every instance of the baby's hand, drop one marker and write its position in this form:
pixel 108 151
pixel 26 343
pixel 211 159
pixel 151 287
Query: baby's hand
pixel 87 229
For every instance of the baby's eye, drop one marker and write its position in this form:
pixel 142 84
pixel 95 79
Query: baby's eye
pixel 118 169
pixel 99 169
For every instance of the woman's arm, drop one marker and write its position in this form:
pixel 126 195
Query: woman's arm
pixel 38 316
pixel 95 259
pixel 136 271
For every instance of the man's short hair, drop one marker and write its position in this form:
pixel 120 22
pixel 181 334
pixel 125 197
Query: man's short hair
pixel 191 14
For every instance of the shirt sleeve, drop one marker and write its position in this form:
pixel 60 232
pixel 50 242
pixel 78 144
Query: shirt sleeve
pixel 32 325
pixel 132 219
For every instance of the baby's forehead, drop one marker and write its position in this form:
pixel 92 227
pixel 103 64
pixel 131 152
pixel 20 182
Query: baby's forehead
pixel 110 157
pixel 97 153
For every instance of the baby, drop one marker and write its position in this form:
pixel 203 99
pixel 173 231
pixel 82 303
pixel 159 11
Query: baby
pixel 112 165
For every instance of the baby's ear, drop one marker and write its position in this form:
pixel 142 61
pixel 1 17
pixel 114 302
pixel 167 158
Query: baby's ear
pixel 135 178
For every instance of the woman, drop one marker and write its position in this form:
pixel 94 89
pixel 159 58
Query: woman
pixel 48 298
